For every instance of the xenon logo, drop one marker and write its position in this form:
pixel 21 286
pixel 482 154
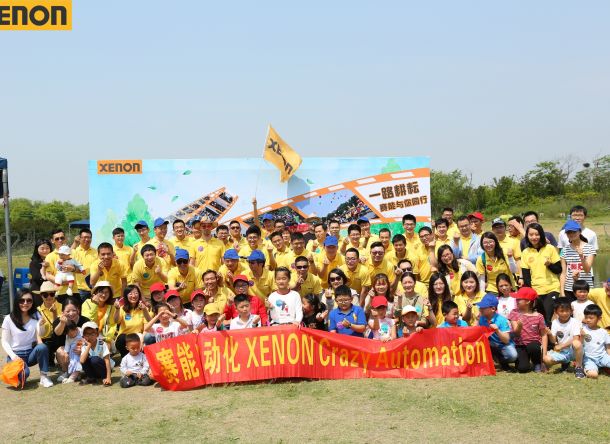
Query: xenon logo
pixel 119 167
pixel 35 15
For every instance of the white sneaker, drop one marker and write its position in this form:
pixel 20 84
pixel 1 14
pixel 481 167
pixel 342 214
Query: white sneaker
pixel 45 381
pixel 63 377
pixel 69 291
pixel 68 381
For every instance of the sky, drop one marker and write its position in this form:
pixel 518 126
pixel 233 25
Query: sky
pixel 489 88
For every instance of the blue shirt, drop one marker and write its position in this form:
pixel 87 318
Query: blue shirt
pixel 460 323
pixel 355 315
pixel 503 326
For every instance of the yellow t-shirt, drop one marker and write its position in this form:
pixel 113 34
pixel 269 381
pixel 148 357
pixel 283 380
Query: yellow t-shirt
pixel 103 317
pixel 461 300
pixel 52 258
pixel 373 238
pixel 222 297
pixel 184 244
pixel 223 271
pixel 420 289
pixel 392 258
pixel 114 275
pixel 312 284
pixel 208 254
pixel 599 297
pixel 358 278
pixel 47 329
pixel 164 249
pixel 440 242
pixel 123 254
pixel 385 267
pixel 316 247
pixel 246 251
pixel 145 276
pixel 544 281
pixel 192 280
pixel 493 269
pixel 86 258
pixel 283 258
pixel 421 265
pixel 413 243
pixel 513 244
pixel 335 263
pixel 262 287
pixel 465 246
pixel 132 322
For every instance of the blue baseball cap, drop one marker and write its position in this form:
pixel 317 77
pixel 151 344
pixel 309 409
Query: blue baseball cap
pixel 256 255
pixel 181 254
pixel 268 217
pixel 572 225
pixel 331 241
pixel 160 221
pixel 489 300
pixel 231 254
pixel 141 224
pixel 363 219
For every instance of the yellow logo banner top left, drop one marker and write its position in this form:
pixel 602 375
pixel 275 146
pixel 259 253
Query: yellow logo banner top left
pixel 35 15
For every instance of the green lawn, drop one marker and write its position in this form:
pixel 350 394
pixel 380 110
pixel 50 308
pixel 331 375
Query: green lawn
pixel 505 408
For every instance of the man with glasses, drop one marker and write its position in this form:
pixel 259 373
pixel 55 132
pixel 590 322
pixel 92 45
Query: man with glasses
pixel 281 254
pixel 425 255
pixel 109 269
pixel 377 263
pixel 303 281
pixel 148 270
pixel 231 267
pixel 356 272
pixel 260 278
pixel 235 232
pixel 253 238
pixel 403 267
pixel 328 259
pixel 409 222
pixel 58 238
pixel 144 234
pixel 86 256
pixel 347 318
pixel 466 244
pixel 165 249
pixel 354 236
pixel 184 278
pixel 208 250
pixel 222 234
pixel 334 229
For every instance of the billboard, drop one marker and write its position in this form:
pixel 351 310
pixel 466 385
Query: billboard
pixel 122 192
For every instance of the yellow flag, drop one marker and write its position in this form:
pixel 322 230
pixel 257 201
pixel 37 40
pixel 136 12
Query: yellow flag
pixel 281 155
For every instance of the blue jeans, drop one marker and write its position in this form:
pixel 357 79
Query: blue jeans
pixel 38 355
pixel 94 367
pixel 503 353
pixel 149 339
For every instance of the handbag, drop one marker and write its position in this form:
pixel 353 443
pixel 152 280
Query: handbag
pixel 13 373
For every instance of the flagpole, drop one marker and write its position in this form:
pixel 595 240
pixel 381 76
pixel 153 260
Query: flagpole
pixel 260 163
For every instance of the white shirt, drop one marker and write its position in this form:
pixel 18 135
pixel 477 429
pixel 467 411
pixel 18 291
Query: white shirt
pixel 588 233
pixel 14 339
pixel 135 364
pixel 595 342
pixel 285 308
pixel 161 333
pixel 238 324
pixel 578 309
pixel 565 332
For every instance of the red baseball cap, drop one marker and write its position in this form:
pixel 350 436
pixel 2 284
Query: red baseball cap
pixel 171 293
pixel 157 286
pixel 477 215
pixel 196 293
pixel 527 293
pixel 241 277
pixel 379 301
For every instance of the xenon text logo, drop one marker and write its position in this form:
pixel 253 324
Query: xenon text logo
pixel 119 167
pixel 35 15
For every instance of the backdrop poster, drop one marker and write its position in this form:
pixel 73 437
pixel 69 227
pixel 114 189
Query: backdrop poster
pixel 121 192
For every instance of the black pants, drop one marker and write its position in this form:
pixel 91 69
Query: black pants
pixel 545 306
pixel 94 367
pixel 131 380
pixel 528 355
pixel 121 345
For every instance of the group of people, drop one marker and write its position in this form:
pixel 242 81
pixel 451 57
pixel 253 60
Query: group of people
pixel 89 307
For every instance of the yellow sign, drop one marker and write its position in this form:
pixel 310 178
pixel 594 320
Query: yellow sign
pixel 281 155
pixel 119 167
pixel 35 15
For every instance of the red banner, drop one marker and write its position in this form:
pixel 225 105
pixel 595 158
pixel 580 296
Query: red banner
pixel 191 361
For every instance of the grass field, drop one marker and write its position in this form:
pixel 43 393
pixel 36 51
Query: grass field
pixel 506 408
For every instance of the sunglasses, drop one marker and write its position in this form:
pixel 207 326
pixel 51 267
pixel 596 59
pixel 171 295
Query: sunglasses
pixel 335 279
pixel 302 267
pixel 235 228
pixel 182 261
pixel 59 238
pixel 47 295
pixel 25 301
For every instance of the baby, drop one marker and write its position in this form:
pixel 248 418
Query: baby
pixel 66 277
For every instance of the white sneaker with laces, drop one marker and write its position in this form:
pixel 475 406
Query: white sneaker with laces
pixel 45 381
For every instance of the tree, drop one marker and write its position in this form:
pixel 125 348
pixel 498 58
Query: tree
pixel 545 180
pixel 449 190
